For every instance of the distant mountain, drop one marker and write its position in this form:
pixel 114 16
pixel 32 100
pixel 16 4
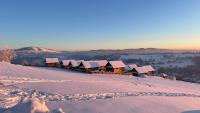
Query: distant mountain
pixel 100 51
pixel 138 51
pixel 36 50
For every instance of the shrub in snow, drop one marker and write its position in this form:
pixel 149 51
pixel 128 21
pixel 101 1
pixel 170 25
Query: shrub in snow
pixel 7 55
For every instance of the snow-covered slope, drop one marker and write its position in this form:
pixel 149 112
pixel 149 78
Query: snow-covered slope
pixel 36 50
pixel 86 93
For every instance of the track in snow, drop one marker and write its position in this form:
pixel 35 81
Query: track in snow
pixel 93 96
pixel 13 94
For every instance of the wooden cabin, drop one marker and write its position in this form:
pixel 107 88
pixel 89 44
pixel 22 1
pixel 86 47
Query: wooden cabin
pixel 102 64
pixel 130 67
pixel 89 66
pixel 52 62
pixel 144 70
pixel 65 63
pixel 116 67
pixel 150 69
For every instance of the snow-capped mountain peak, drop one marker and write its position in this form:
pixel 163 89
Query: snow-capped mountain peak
pixel 36 49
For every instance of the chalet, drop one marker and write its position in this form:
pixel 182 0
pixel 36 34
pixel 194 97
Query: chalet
pixel 115 67
pixel 144 70
pixel 130 67
pixel 52 62
pixel 89 66
pixel 150 69
pixel 102 64
pixel 65 63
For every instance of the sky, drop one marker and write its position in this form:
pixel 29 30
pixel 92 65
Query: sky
pixel 100 24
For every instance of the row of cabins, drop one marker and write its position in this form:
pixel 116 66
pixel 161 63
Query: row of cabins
pixel 101 66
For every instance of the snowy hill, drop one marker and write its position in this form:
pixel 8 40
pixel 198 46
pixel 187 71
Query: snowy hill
pixel 36 50
pixel 87 93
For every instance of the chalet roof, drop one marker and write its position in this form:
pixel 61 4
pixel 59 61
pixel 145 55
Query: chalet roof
pixel 76 63
pixel 66 62
pixel 117 64
pixel 90 64
pixel 132 66
pixel 141 70
pixel 101 62
pixel 149 68
pixel 51 60
pixel 144 69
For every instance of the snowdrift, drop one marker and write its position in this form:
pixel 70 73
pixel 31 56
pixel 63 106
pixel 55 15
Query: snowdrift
pixel 31 105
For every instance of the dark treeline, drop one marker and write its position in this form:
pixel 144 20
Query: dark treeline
pixel 189 73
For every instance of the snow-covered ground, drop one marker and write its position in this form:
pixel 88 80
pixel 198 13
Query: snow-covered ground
pixel 87 93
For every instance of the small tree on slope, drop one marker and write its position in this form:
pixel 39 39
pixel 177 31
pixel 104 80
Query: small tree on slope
pixel 7 55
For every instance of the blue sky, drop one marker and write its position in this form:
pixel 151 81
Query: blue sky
pixel 100 24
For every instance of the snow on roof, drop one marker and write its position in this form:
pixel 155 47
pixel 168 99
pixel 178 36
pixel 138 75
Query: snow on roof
pixel 76 63
pixel 90 64
pixel 144 69
pixel 141 70
pixel 117 64
pixel 101 62
pixel 51 60
pixel 149 68
pixel 132 66
pixel 66 62
pixel 94 63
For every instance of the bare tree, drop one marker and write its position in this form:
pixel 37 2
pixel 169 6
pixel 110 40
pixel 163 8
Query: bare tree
pixel 7 55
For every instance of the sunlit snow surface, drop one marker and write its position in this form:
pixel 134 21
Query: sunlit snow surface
pixel 86 93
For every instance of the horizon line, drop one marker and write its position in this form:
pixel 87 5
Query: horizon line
pixel 56 49
pixel 175 49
